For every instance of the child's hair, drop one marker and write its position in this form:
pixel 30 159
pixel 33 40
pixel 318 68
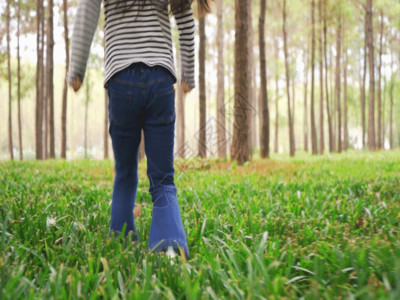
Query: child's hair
pixel 176 5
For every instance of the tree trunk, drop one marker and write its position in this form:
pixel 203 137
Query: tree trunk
pixel 86 113
pixel 337 84
pixel 39 81
pixel 50 72
pixel 10 139
pixel 391 106
pixel 141 146
pixel 105 136
pixel 251 77
pixel 276 96
pixel 370 45
pixel 364 75
pixel 221 83
pixel 240 147
pixel 312 109
pixel 263 85
pixel 345 114
pixel 321 82
pixel 181 112
pixel 21 148
pixel 379 127
pixel 202 88
pixel 305 121
pixel 291 131
pixel 330 133
pixel 65 90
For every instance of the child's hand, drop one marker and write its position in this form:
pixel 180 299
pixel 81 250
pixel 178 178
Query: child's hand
pixel 76 84
pixel 185 87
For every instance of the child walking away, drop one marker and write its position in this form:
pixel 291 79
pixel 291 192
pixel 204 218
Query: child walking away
pixel 139 77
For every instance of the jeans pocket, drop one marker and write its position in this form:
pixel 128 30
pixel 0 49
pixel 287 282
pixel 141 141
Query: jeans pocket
pixel 120 108
pixel 164 100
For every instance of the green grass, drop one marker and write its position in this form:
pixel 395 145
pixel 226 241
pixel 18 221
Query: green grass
pixel 312 227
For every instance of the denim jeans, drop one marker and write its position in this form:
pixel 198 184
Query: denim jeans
pixel 143 97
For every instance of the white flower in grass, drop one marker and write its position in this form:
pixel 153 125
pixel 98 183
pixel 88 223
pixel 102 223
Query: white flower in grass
pixel 50 222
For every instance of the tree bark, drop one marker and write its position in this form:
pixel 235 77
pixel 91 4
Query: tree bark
pixel 305 121
pixel 202 88
pixel 105 136
pixel 21 156
pixel 314 148
pixel 291 131
pixel 240 147
pixel 50 73
pixel 345 114
pixel 330 133
pixel 10 138
pixel 321 82
pixel 276 95
pixel 263 85
pixel 364 76
pixel 251 77
pixel 87 100
pixel 337 84
pixel 39 81
pixel 370 45
pixel 379 104
pixel 391 106
pixel 221 83
pixel 65 89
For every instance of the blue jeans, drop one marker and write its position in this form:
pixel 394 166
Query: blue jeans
pixel 143 97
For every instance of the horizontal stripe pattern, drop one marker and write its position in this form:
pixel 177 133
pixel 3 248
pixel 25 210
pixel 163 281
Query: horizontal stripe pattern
pixel 141 33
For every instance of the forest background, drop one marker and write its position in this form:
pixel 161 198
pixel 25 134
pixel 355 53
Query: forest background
pixel 318 62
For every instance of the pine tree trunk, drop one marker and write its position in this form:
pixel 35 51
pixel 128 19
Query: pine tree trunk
pixel 345 114
pixel 202 88
pixel 337 85
pixel 240 147
pixel 327 101
pixel 370 45
pixel 86 113
pixel 50 72
pixel 379 127
pixel 276 96
pixel 21 156
pixel 263 85
pixel 305 121
pixel 321 82
pixel 181 111
pixel 391 103
pixel 291 131
pixel 252 86
pixel 10 139
pixel 65 89
pixel 314 148
pixel 105 135
pixel 364 76
pixel 39 81
pixel 221 83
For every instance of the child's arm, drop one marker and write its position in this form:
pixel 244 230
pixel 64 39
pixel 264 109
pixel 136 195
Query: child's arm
pixel 86 20
pixel 185 23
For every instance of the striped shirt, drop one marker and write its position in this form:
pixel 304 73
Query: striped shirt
pixel 138 33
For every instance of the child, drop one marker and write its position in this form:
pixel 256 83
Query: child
pixel 139 77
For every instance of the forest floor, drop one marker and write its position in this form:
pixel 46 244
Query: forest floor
pixel 312 227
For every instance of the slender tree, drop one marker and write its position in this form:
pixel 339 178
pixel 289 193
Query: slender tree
pixel 39 80
pixel 285 47
pixel 65 89
pixel 221 82
pixel 371 63
pixel 202 87
pixel 276 46
pixel 240 147
pixel 50 72
pixel 21 156
pixel 345 105
pixel 305 112
pixel 364 77
pixel 337 82
pixel 263 85
pixel 321 81
pixel 328 111
pixel 10 139
pixel 379 141
pixel 314 148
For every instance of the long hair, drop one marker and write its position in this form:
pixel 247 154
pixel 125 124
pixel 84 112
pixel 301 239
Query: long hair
pixel 177 6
